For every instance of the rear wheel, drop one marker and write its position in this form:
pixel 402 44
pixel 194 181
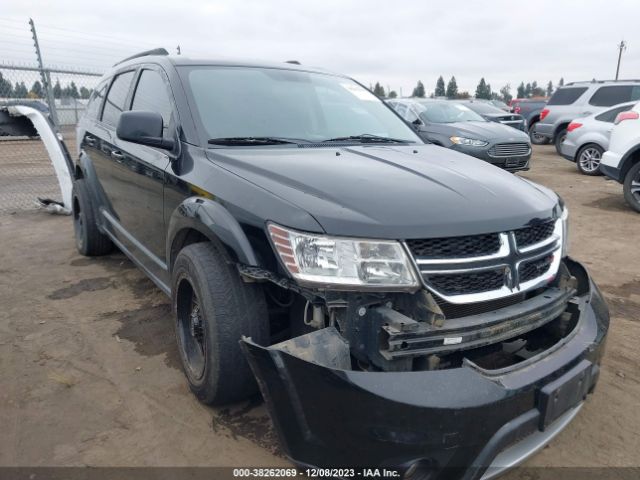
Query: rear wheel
pixel 561 135
pixel 90 241
pixel 535 138
pixel 631 187
pixel 213 309
pixel 588 159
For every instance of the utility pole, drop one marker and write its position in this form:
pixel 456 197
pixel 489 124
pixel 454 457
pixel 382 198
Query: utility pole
pixel 44 75
pixel 621 46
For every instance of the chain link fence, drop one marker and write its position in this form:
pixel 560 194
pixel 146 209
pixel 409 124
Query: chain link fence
pixel 26 172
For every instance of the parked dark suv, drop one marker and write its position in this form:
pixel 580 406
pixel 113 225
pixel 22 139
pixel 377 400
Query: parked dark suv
pixel 400 304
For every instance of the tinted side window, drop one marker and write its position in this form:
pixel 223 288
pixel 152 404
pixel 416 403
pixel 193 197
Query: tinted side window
pixel 611 95
pixel 610 115
pixel 566 96
pixel 151 95
pixel 95 101
pixel 410 116
pixel 116 97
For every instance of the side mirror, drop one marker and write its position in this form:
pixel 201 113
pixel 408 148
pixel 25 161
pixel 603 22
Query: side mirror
pixel 144 128
pixel 417 123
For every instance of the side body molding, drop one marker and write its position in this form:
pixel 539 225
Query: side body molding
pixel 214 221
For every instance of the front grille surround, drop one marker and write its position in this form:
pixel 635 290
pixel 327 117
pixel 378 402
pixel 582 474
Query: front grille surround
pixel 522 267
pixel 513 149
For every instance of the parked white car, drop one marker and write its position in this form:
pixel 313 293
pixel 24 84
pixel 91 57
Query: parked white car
pixel 622 161
pixel 588 138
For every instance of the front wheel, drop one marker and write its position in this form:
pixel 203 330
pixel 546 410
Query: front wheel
pixel 90 241
pixel 213 309
pixel 588 160
pixel 561 135
pixel 631 187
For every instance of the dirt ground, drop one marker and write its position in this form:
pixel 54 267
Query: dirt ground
pixel 89 372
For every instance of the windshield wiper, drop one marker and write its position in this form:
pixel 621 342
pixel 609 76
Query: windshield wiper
pixel 366 138
pixel 233 141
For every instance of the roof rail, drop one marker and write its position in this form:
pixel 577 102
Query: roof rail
pixel 155 51
pixel 603 81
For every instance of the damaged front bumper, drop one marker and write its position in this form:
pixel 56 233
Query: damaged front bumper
pixel 463 422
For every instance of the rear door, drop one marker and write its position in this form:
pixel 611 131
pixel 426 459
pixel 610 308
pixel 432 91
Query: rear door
pixel 139 176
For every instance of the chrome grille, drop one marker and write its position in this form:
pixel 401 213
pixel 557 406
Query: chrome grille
pixel 455 247
pixel 479 268
pixel 462 283
pixel 534 234
pixel 510 149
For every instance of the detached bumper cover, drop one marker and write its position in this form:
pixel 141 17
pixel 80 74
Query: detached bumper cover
pixel 455 421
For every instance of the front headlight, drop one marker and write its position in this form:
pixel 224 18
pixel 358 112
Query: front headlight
pixel 565 231
pixel 347 262
pixel 470 142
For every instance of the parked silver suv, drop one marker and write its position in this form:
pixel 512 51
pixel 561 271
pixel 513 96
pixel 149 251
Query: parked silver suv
pixel 579 99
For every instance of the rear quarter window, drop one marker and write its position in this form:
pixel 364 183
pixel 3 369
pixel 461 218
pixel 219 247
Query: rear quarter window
pixel 610 95
pixel 610 115
pixel 95 101
pixel 566 96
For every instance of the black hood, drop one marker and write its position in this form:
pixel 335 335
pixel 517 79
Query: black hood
pixel 398 192
pixel 495 132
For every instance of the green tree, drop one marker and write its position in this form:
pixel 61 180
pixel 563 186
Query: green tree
pixel 505 93
pixel 6 89
pixel 527 90
pixel 72 90
pixel 463 95
pixel 57 90
pixel 452 88
pixel 520 93
pixel 392 94
pixel 440 89
pixel 36 89
pixel 561 82
pixel 549 91
pixel 378 90
pixel 85 92
pixel 483 90
pixel 419 90
pixel 20 90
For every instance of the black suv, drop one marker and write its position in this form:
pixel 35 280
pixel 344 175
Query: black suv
pixel 400 304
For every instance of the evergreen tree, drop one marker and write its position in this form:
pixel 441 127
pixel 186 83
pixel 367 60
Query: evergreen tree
pixel 36 89
pixel 419 90
pixel 505 93
pixel 527 90
pixel 393 94
pixel 561 82
pixel 6 89
pixel 440 89
pixel 520 92
pixel 57 90
pixel 549 91
pixel 483 90
pixel 20 90
pixel 85 92
pixel 72 90
pixel 452 88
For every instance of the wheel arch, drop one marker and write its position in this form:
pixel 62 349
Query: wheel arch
pixel 629 160
pixel 197 219
pixel 562 126
pixel 586 144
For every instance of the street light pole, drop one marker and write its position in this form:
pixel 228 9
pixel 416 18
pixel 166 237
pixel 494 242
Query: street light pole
pixel 621 46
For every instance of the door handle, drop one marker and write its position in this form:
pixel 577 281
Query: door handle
pixel 117 155
pixel 89 140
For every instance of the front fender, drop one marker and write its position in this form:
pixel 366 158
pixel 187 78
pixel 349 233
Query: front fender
pixel 213 221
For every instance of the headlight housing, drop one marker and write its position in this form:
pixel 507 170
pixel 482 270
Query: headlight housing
pixel 343 262
pixel 470 142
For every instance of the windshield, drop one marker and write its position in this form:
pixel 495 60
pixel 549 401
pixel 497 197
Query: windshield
pixel 480 107
pixel 244 102
pixel 447 112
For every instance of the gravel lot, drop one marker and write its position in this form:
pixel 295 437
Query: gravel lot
pixel 89 371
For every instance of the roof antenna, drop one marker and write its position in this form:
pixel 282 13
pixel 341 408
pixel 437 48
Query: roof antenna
pixel 178 49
